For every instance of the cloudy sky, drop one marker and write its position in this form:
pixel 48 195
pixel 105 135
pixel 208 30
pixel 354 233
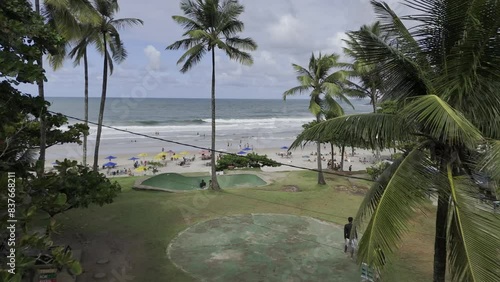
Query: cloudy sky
pixel 287 31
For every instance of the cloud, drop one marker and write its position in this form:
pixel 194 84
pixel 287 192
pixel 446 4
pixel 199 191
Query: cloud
pixel 287 31
pixel 154 57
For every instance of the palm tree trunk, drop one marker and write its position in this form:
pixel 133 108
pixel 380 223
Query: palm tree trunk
pixel 101 107
pixel 321 177
pixel 86 95
pixel 440 238
pixel 333 151
pixel 215 184
pixel 41 94
pixel 342 158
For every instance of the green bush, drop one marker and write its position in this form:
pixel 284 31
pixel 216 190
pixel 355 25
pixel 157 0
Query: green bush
pixel 376 170
pixel 251 160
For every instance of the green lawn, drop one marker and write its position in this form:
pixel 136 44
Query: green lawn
pixel 138 226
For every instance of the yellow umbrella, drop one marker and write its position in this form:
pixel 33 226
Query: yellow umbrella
pixel 162 154
pixel 141 168
pixel 184 153
pixel 142 155
pixel 175 157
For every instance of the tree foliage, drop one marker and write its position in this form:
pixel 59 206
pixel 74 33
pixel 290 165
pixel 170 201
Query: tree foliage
pixel 250 160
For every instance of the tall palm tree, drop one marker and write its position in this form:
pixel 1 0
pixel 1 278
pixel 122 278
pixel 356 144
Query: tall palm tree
pixel 212 24
pixel 112 48
pixel 323 86
pixel 62 13
pixel 445 74
pixel 75 23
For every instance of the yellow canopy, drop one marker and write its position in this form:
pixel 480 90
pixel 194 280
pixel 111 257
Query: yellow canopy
pixel 143 155
pixel 141 168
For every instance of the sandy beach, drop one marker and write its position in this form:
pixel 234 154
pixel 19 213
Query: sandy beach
pixel 146 151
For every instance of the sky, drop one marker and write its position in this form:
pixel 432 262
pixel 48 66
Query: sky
pixel 286 31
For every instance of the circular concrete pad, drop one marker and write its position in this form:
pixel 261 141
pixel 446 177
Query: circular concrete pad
pixel 263 247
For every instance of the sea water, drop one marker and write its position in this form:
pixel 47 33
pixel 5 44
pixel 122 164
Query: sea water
pixel 260 123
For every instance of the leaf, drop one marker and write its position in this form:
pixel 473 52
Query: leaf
pixel 473 238
pixel 75 268
pixel 374 130
pixel 60 199
pixel 391 203
pixel 442 122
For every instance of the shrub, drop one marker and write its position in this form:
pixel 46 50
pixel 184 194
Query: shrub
pixel 376 170
pixel 251 160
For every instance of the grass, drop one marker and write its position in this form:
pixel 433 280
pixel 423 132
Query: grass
pixel 144 222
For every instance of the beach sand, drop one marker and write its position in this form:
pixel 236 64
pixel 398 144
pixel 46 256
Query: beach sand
pixel 300 157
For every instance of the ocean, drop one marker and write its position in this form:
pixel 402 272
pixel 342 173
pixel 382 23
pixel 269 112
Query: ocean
pixel 261 123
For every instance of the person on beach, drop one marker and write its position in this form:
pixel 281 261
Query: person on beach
pixel 350 168
pixel 350 241
pixel 203 184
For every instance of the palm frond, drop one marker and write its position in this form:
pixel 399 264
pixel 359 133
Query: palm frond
pixel 187 23
pixel 442 122
pixel 314 107
pixel 473 235
pixel 242 43
pixel 125 22
pixel 295 90
pixel 390 205
pixel 374 130
pixel 191 57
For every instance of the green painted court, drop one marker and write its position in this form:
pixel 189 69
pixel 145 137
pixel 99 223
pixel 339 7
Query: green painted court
pixel 177 182
pixel 263 247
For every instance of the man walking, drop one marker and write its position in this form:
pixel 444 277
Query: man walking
pixel 351 240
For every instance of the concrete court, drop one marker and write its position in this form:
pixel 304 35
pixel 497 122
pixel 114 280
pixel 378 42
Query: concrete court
pixel 263 247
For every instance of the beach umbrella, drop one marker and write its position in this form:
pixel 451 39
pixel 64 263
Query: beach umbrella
pixel 284 148
pixel 109 164
pixel 184 153
pixel 142 155
pixel 141 168
pixel 133 159
pixel 162 154
pixel 242 153
pixel 170 151
pixel 175 157
pixel 110 157
pixel 247 149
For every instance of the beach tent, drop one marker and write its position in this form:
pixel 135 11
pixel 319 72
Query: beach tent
pixel 109 164
pixel 110 158
pixel 242 153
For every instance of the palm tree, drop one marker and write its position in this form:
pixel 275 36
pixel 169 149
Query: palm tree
pixel 445 76
pixel 368 75
pixel 323 86
pixel 109 40
pixel 212 24
pixel 62 14
pixel 76 24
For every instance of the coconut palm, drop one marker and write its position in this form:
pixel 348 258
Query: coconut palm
pixel 64 16
pixel 111 46
pixel 76 24
pixel 445 75
pixel 212 24
pixel 368 75
pixel 322 86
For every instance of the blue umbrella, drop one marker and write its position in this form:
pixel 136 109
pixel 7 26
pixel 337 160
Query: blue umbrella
pixel 109 164
pixel 284 148
pixel 242 152
pixel 133 158
pixel 110 157
pixel 247 149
